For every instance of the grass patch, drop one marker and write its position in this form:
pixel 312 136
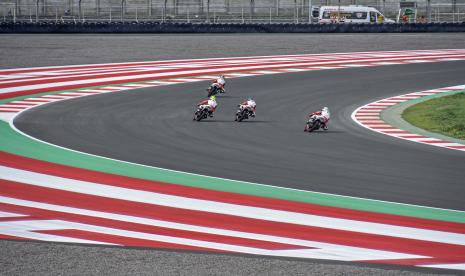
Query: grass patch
pixel 445 115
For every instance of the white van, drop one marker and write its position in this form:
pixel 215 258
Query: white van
pixel 351 14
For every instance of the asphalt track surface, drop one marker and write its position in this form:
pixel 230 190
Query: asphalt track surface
pixel 154 126
pixel 37 258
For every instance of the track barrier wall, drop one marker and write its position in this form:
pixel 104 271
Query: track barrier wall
pixel 157 27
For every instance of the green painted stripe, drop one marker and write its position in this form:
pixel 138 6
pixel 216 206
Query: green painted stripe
pixel 13 142
pixel 393 116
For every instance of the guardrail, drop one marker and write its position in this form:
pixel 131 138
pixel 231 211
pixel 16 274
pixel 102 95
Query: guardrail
pixel 157 27
pixel 298 13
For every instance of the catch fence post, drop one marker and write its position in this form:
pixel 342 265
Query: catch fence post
pixel 37 11
pixel 310 11
pixel 242 14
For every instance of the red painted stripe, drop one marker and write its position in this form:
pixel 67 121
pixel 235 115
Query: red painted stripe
pixel 88 202
pixel 35 100
pixel 396 132
pixel 382 127
pixel 194 236
pixel 434 142
pixel 224 67
pixel 434 250
pixel 373 123
pixel 116 65
pixel 123 240
pixel 281 65
pixel 233 198
pixel 18 103
pixel 378 105
pixel 357 56
pixel 457 147
pixel 8 237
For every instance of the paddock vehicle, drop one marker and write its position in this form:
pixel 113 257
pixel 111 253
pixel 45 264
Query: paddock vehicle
pixel 243 113
pixel 201 113
pixel 313 123
pixel 351 14
pixel 214 89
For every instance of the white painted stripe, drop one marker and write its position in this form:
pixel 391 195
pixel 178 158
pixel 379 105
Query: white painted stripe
pixel 23 102
pixel 94 90
pixel 112 88
pixel 446 266
pixel 187 79
pixel 368 117
pixel 294 69
pixel 10 215
pixel 382 104
pixel 27 228
pixel 447 144
pixel 209 77
pixel 138 85
pixel 22 106
pixel 4 109
pixel 173 74
pixel 56 96
pixel 357 65
pixel 240 74
pixel 450 59
pixel 118 66
pixel 84 187
pixel 38 100
pixel 74 94
pixel 327 67
pixel 387 63
pixel 419 61
pixel 378 125
pixel 7 116
pixel 160 82
pixel 390 100
pixel 334 251
pixel 268 72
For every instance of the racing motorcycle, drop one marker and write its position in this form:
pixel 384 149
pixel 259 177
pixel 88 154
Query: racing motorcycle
pixel 214 89
pixel 243 114
pixel 313 123
pixel 201 113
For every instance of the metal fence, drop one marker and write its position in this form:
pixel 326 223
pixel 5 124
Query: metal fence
pixel 301 13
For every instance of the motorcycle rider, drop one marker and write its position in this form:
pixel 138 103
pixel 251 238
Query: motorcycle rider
pixel 323 115
pixel 250 104
pixel 219 84
pixel 210 104
pixel 221 81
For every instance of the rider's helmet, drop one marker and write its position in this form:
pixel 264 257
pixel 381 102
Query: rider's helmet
pixel 325 109
pixel 213 98
pixel 222 77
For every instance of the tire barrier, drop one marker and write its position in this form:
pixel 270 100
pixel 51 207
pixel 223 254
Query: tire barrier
pixel 159 27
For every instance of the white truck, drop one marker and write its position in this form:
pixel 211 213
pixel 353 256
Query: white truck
pixel 351 14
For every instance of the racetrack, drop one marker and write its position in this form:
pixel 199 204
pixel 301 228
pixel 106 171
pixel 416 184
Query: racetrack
pixel 153 127
pixel 135 117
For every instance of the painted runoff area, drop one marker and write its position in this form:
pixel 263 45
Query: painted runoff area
pixel 370 117
pixel 51 193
